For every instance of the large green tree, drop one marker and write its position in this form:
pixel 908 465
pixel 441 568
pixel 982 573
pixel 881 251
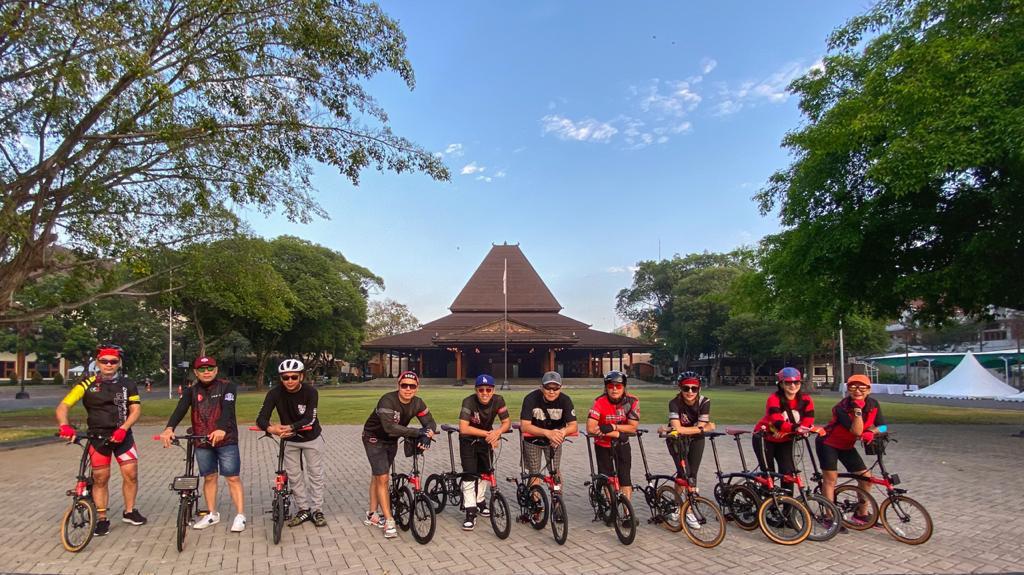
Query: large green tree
pixel 129 124
pixel 907 184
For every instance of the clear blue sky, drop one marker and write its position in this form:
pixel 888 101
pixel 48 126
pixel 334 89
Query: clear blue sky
pixel 588 132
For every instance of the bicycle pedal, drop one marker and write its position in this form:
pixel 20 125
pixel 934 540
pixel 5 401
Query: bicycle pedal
pixel 586 484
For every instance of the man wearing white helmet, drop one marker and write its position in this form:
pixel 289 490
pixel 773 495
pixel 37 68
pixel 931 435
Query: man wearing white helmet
pixel 296 402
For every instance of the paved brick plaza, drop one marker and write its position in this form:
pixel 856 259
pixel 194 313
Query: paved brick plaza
pixel 979 526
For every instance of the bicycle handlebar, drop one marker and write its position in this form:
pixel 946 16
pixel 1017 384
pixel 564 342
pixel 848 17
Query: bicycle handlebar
pixel 306 428
pixel 181 437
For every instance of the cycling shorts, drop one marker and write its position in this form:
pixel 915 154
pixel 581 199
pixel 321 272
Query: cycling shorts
pixel 828 457
pixel 100 454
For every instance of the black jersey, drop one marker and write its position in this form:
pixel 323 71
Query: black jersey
pixel 482 416
pixel 106 401
pixel 391 417
pixel 297 409
pixel 547 414
pixel 690 415
pixel 213 408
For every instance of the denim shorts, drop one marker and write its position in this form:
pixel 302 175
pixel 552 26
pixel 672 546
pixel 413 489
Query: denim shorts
pixel 224 457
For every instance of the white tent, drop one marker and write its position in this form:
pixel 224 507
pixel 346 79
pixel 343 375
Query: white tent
pixel 968 380
pixel 1018 397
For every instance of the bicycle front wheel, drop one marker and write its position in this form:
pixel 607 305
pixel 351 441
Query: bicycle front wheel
pixel 401 507
pixel 668 502
pixel 743 502
pixel 78 525
pixel 278 513
pixel 559 520
pixel 538 508
pixel 435 490
pixel 784 520
pixel 702 522
pixel 501 521
pixel 825 518
pixel 422 520
pixel 906 520
pixel 625 521
pixel 184 511
pixel 848 499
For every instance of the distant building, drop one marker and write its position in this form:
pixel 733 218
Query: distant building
pixel 26 365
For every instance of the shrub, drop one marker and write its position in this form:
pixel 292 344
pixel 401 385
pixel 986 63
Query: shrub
pixel 58 379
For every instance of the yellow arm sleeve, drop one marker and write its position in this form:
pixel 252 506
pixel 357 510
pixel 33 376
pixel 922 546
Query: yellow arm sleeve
pixel 76 393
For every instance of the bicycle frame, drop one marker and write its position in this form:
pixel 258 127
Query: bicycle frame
pixel 887 481
pixel 653 481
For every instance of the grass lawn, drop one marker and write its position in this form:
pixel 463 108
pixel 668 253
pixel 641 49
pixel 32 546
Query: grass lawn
pixel 352 406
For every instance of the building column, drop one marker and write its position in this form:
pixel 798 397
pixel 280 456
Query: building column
pixel 420 372
pixel 391 360
pixel 590 364
pixel 19 366
pixel 551 359
pixel 458 364
pixel 620 360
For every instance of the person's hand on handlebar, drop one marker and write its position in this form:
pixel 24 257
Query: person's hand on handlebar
pixel 555 436
pixel 167 436
pixel 67 432
pixel 493 437
pixel 216 436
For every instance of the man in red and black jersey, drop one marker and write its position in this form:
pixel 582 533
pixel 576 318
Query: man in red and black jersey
pixel 614 412
pixel 856 416
pixel 689 413
pixel 112 407
pixel 212 403
pixel 477 438
pixel 389 421
pixel 787 411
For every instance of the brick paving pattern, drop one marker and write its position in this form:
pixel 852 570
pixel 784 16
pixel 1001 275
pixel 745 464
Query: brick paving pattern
pixel 969 478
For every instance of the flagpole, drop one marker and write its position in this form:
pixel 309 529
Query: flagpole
pixel 504 324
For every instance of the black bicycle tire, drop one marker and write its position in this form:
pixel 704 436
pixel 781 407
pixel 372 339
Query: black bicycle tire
pixel 776 502
pixel 711 509
pixel 625 533
pixel 559 529
pixel 182 524
pixel 545 506
pixel 90 508
pixel 422 505
pixel 402 508
pixel 893 503
pixel 755 501
pixel 454 492
pixel 662 504
pixel 500 512
pixel 832 529
pixel 435 489
pixel 872 504
pixel 278 515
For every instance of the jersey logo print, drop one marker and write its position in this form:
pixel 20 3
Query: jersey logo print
pixel 229 397
pixel 302 408
pixel 539 415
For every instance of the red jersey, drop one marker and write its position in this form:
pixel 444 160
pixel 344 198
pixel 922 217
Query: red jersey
pixel 606 412
pixel 838 431
pixel 798 412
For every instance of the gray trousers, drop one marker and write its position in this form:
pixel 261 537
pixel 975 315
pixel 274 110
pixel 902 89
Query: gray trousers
pixel 313 478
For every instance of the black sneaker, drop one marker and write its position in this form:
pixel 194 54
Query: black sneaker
pixel 483 510
pixel 318 519
pixel 470 522
pixel 133 517
pixel 102 528
pixel 301 517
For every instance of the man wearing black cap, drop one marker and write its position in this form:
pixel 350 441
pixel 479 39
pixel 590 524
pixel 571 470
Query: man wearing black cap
pixel 477 437
pixel 212 402
pixel 548 415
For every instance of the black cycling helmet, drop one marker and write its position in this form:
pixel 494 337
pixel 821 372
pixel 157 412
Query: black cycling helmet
pixel 688 376
pixel 615 377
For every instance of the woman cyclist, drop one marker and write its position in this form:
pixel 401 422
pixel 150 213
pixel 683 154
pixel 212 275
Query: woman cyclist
pixel 788 410
pixel 855 416
pixel 613 412
pixel 689 414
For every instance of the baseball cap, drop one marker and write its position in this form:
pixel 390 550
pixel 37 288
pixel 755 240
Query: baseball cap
pixel 408 375
pixel 484 379
pixel 859 378
pixel 204 361
pixel 551 377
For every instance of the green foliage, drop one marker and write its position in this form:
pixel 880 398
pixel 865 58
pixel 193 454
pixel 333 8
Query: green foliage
pixel 389 317
pixel 134 124
pixel 907 178
pixel 58 379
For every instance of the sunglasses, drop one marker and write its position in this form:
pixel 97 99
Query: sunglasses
pixel 108 361
pixel 792 383
pixel 290 377
pixel 856 387
pixel 206 369
pixel 552 387
pixel 614 385
pixel 689 388
pixel 408 385
pixel 485 390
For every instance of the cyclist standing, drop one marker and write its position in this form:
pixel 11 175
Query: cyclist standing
pixel 296 403
pixel 476 422
pixel 855 416
pixel 689 414
pixel 212 404
pixel 613 412
pixel 388 422
pixel 548 415
pixel 112 407
pixel 788 410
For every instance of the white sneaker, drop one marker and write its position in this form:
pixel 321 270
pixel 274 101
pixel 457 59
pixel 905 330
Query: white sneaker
pixel 238 525
pixel 691 520
pixel 673 517
pixel 206 521
pixel 389 530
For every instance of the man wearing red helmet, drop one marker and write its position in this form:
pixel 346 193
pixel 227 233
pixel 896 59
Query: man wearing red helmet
pixel 112 406
pixel 788 410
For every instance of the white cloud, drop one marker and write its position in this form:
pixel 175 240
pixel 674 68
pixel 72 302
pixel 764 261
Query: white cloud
pixel 621 269
pixel 453 150
pixel 771 89
pixel 471 168
pixel 678 98
pixel 500 174
pixel 581 130
pixel 484 179
pixel 707 65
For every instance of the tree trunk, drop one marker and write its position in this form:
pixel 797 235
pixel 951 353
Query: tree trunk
pixel 753 374
pixel 199 333
pixel 809 373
